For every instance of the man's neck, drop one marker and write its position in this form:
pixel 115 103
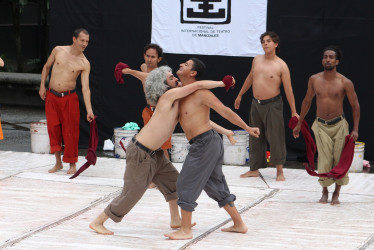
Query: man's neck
pixel 187 80
pixel 329 74
pixel 270 56
pixel 74 51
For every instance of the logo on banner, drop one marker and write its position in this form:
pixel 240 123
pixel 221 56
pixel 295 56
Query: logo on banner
pixel 206 11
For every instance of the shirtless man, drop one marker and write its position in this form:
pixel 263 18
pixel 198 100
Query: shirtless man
pixel 266 77
pixel 145 162
pixel 330 126
pixel 1 62
pixel 61 100
pixel 202 168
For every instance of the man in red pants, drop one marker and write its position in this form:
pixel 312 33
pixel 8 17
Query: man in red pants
pixel 61 100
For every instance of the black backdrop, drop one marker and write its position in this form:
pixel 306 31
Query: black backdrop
pixel 119 29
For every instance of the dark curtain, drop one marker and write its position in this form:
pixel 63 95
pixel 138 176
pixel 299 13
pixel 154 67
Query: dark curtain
pixel 120 29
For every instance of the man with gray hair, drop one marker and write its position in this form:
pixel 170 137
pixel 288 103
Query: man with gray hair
pixel 145 161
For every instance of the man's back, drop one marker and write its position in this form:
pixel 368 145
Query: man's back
pixel 194 114
pixel 66 68
pixel 162 124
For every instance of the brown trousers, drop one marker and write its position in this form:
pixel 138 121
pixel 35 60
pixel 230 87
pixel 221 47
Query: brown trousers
pixel 141 169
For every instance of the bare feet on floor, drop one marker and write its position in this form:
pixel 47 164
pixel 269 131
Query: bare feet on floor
pixel 236 229
pixel 280 177
pixel 335 199
pixel 72 169
pixel 56 168
pixel 100 229
pixel 178 225
pixel 179 235
pixel 254 173
pixel 325 196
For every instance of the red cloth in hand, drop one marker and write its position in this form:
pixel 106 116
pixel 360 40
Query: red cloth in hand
pixel 345 161
pixel 228 80
pixel 92 146
pixel 118 71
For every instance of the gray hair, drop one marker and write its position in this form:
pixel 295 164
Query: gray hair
pixel 155 85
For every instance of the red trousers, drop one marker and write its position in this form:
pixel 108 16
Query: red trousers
pixel 63 124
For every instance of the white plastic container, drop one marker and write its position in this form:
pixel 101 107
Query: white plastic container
pixel 124 137
pixel 179 147
pixel 39 137
pixel 239 153
pixel 358 158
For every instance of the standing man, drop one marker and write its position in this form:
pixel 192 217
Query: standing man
pixel 267 74
pixel 61 99
pixel 202 168
pixel 330 126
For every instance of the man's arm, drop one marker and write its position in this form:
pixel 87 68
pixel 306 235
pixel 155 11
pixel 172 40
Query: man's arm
pixel 353 100
pixel 246 85
pixel 305 106
pixel 1 62
pixel 224 131
pixel 210 100
pixel 142 76
pixel 177 93
pixel 86 91
pixel 286 80
pixel 45 72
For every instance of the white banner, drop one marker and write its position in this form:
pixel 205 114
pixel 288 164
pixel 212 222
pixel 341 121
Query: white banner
pixel 209 27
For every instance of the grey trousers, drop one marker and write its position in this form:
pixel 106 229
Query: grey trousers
pixel 202 169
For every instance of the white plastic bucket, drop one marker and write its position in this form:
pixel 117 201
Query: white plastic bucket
pixel 123 137
pixel 358 158
pixel 179 147
pixel 39 137
pixel 239 153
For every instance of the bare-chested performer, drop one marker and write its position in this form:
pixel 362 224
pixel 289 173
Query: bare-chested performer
pixel 267 75
pixel 61 100
pixel 145 161
pixel 330 126
pixel 202 168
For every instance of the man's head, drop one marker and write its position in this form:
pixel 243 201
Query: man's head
pixel 158 82
pixel 152 55
pixel 331 57
pixel 80 39
pixel 269 41
pixel 194 68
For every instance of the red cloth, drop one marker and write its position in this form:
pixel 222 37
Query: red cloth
pixel 63 124
pixel 345 161
pixel 228 80
pixel 118 71
pixel 92 146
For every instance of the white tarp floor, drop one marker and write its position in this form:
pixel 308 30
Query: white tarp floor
pixel 39 210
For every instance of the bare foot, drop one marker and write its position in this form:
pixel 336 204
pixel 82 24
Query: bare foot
pixel 254 173
pixel 174 226
pixel 179 235
pixel 100 229
pixel 72 169
pixel 325 196
pixel 280 177
pixel 152 185
pixel 56 168
pixel 235 229
pixel 335 199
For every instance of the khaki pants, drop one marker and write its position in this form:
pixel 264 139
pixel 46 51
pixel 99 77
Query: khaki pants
pixel 141 169
pixel 330 143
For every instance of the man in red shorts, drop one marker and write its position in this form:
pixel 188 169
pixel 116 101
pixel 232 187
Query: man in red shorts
pixel 61 100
